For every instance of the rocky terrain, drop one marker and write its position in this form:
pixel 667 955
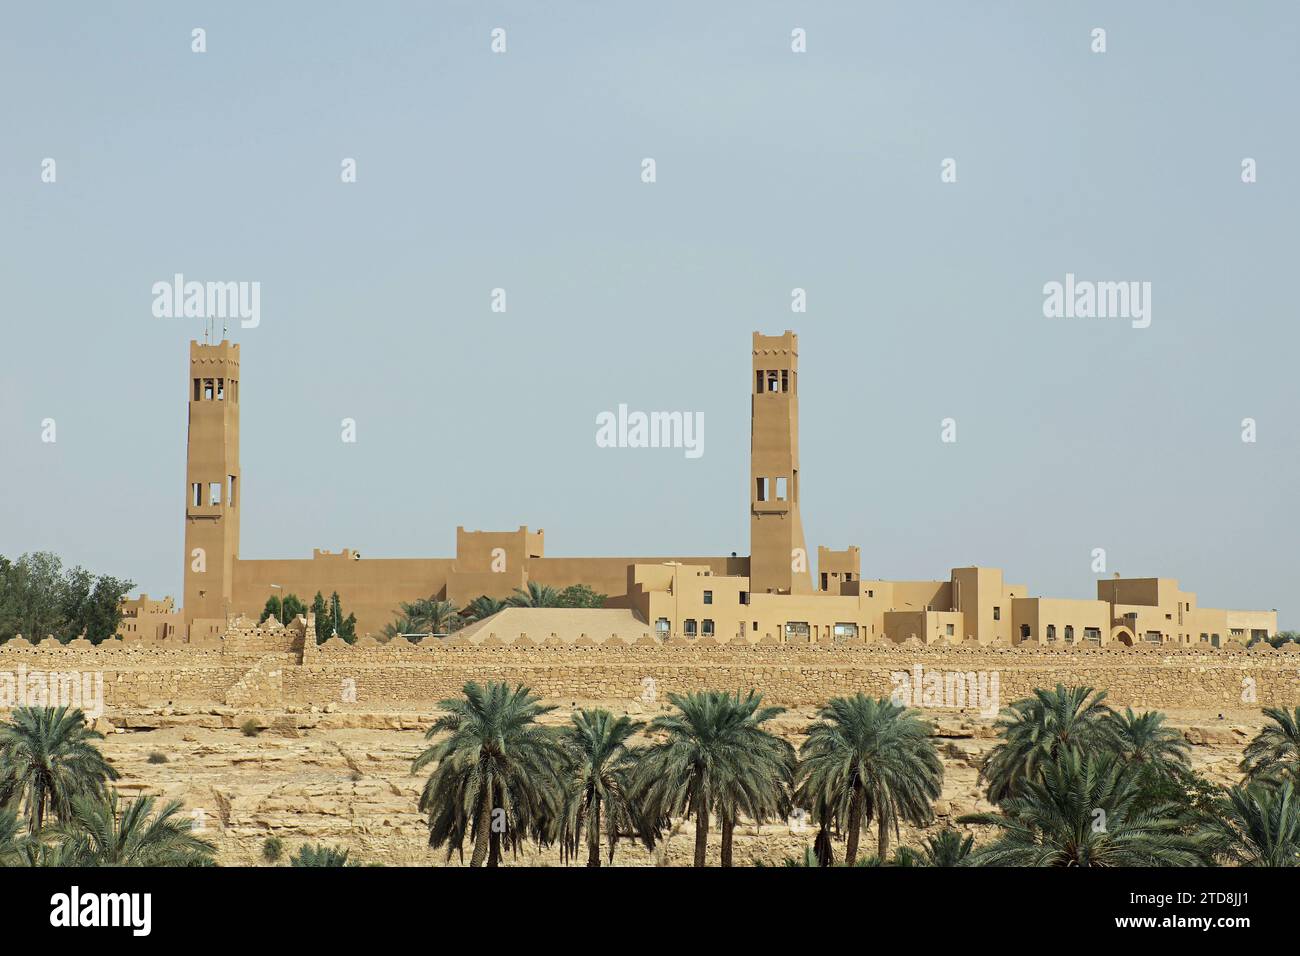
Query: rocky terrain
pixel 343 778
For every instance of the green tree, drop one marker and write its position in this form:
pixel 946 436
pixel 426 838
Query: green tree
pixel 345 626
pixel 284 607
pixel 1034 730
pixel 483 607
pixel 97 834
pixel 1275 750
pixel 866 759
pixel 948 847
pixel 1085 811
pixel 535 595
pixel 425 616
pixel 47 758
pixel 497 774
pixel 13 840
pixel 1257 825
pixel 37 597
pixel 1144 741
pixel 598 793
pixel 581 595
pixel 320 855
pixel 714 756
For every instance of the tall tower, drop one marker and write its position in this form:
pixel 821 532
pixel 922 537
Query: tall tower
pixel 778 559
pixel 212 484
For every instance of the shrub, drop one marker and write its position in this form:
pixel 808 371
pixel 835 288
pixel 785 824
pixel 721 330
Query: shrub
pixel 249 728
pixel 157 757
pixel 272 849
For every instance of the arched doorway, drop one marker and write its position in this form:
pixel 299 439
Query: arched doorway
pixel 1123 635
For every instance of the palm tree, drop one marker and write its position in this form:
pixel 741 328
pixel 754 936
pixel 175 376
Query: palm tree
pixel 536 595
pixel 12 839
pixel 96 834
pixel 497 773
pixel 1085 811
pixel 47 759
pixel 868 759
pixel 1275 750
pixel 320 855
pixel 1036 729
pixel 425 616
pixel 1144 741
pixel 947 848
pixel 599 788
pixel 1257 825
pixel 715 756
pixel 759 786
pixel 483 607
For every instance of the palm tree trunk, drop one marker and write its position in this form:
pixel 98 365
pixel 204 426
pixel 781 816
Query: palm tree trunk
pixel 728 831
pixel 701 831
pixel 483 830
pixel 855 828
pixel 593 834
pixel 822 846
pixel 882 838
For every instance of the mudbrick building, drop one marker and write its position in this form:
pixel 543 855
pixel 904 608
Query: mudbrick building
pixel 772 596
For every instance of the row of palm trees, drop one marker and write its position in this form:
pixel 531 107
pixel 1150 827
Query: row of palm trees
pixel 432 615
pixel 1074 782
pixel 57 808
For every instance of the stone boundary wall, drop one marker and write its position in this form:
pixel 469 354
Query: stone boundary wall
pixel 403 675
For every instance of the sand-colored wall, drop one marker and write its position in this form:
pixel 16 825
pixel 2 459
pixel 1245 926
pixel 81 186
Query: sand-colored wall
pixel 261 673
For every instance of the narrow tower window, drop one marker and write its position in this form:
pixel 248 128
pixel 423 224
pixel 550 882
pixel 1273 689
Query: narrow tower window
pixel 762 488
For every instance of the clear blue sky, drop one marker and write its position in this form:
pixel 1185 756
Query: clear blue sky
pixel 775 170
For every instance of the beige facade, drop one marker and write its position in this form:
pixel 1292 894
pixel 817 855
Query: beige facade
pixel 772 596
pixel 146 620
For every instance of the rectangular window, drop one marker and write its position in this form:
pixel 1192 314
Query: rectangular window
pixel 825 583
pixel 208 386
pixel 221 389
pixel 706 627
pixel 796 629
pixel 758 382
pixel 230 495
pixel 948 630
pixel 845 631
pixel 744 597
pixel 708 597
pixel 196 495
pixel 214 493
pixel 761 489
pixel 780 489
pixel 785 380
pixel 997 614
pixel 771 381
pixel 197 393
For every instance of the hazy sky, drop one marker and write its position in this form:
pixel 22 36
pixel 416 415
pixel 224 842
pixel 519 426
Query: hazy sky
pixel 775 170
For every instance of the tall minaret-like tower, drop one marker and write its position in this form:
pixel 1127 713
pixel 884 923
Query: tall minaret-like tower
pixel 212 487
pixel 778 559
